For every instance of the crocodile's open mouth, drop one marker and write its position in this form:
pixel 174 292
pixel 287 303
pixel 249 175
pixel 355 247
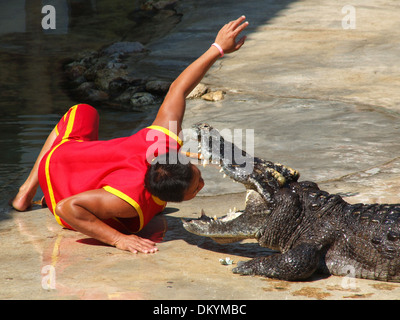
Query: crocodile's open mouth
pixel 215 228
pixel 261 179
pixel 235 164
pixel 235 225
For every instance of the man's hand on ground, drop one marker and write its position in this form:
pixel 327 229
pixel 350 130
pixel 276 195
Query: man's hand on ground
pixel 135 244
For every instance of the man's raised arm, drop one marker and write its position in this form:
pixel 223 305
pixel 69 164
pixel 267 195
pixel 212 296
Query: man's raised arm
pixel 173 107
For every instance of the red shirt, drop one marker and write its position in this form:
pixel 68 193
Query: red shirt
pixel 118 166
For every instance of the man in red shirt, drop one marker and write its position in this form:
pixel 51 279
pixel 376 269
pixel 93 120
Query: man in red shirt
pixel 90 184
pixel 77 162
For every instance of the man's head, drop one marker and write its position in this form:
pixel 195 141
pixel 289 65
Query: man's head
pixel 175 181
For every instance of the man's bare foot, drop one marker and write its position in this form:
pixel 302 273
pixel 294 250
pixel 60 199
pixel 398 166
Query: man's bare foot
pixel 23 200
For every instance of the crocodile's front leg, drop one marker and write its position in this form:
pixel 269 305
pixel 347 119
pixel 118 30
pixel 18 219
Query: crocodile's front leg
pixel 298 263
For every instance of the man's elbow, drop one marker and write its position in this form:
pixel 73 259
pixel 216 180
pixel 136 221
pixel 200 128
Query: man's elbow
pixel 61 209
pixel 178 88
pixel 72 211
pixel 67 210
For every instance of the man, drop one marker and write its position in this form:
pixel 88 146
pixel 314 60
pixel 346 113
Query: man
pixel 90 185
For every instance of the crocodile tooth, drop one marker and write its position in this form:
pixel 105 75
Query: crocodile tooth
pixel 221 170
pixel 215 218
pixel 281 180
pixel 224 176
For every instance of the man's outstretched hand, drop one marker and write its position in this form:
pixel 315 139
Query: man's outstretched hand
pixel 226 37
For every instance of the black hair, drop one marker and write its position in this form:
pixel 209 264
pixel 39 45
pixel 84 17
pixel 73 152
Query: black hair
pixel 168 180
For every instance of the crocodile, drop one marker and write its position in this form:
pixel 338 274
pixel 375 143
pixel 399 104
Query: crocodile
pixel 312 230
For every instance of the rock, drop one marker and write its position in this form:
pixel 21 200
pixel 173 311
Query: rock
pixel 87 58
pixel 88 91
pixel 97 95
pixel 84 87
pixel 214 96
pixel 105 76
pixel 78 81
pixel 141 99
pixel 74 71
pixel 123 48
pixel 158 86
pixel 198 91
pixel 117 86
pixel 116 65
pixel 90 73
pixel 126 96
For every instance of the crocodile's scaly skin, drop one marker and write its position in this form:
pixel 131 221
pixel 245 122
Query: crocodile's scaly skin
pixel 313 230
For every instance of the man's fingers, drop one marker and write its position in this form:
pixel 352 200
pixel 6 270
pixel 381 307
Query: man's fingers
pixel 136 244
pixel 235 23
pixel 143 249
pixel 147 246
pixel 240 28
pixel 133 250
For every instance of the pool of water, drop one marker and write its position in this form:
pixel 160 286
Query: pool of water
pixel 32 94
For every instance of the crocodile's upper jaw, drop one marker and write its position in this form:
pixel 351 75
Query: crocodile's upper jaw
pixel 234 162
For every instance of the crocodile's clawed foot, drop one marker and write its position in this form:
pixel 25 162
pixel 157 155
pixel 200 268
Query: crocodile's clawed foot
pixel 243 268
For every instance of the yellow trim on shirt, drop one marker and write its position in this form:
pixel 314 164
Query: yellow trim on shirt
pixel 168 133
pixel 158 201
pixel 70 125
pixel 128 199
pixel 71 121
pixel 49 185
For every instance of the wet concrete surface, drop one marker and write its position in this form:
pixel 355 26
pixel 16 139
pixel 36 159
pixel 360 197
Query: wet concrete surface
pixel 321 99
pixel 42 261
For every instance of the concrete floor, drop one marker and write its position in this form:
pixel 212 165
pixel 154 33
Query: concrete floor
pixel 42 261
pixel 321 98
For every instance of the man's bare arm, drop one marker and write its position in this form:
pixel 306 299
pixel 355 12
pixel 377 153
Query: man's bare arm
pixel 85 212
pixel 173 107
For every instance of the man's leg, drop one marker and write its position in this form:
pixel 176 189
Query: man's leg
pixel 27 191
pixel 80 122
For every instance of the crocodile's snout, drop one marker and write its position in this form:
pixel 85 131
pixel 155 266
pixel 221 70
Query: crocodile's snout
pixel 213 148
